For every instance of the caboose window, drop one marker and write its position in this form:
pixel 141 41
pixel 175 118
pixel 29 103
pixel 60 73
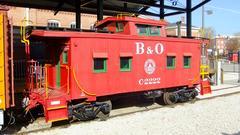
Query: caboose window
pixel 154 31
pixel 147 30
pixel 119 27
pixel 186 61
pixel 171 60
pixel 125 63
pixel 99 65
pixel 142 30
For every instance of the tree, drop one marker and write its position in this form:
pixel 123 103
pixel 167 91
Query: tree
pixel 237 34
pixel 208 32
pixel 233 45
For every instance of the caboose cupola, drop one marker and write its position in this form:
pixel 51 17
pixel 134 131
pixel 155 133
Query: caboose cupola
pixel 133 26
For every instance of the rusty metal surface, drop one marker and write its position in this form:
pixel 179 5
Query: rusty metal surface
pixel 11 64
pixel 2 74
pixel 6 57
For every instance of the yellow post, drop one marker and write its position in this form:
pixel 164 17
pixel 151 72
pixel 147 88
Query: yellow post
pixel 2 75
pixel 204 71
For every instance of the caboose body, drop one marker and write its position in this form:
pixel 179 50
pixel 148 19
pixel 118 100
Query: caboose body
pixel 134 56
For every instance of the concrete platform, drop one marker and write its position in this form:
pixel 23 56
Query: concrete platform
pixel 221 90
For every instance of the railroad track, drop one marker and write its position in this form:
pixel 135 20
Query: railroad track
pixel 127 111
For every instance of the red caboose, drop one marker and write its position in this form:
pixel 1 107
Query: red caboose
pixel 129 55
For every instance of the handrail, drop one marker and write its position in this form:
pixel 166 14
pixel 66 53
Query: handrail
pixel 46 80
pixel 23 31
pixel 79 86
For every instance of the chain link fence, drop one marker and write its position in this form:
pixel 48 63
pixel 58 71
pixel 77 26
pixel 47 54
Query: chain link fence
pixel 231 72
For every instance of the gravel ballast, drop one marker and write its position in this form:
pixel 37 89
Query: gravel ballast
pixel 219 116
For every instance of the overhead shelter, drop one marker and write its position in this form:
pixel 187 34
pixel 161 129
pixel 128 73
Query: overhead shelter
pixel 114 7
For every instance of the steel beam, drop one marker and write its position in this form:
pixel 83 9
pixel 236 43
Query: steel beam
pixel 161 9
pixel 99 10
pixel 144 3
pixel 78 14
pixel 86 2
pixel 143 9
pixel 146 7
pixel 118 9
pixel 150 13
pixel 173 13
pixel 189 18
pixel 200 4
pixel 60 4
pixel 125 6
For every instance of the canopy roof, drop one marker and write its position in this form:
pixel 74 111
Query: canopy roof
pixel 110 7
pixel 114 7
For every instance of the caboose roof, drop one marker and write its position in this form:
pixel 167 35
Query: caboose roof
pixel 105 21
pixel 136 20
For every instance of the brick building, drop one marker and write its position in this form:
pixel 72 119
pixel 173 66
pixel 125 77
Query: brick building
pixel 39 17
pixel 221 42
pixel 172 29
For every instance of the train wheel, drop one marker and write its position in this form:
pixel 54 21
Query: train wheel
pixel 169 98
pixel 103 116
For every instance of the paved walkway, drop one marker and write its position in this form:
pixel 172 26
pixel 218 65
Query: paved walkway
pixel 218 116
pixel 229 86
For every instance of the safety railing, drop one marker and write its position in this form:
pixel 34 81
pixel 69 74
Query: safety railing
pixel 36 73
pixel 20 69
pixel 23 31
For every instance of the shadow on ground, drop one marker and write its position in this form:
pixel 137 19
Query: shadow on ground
pixel 23 121
pixel 238 133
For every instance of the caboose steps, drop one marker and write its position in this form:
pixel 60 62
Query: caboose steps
pixel 56 109
pixel 53 101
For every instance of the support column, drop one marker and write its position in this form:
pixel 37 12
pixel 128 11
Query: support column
pixel 99 10
pixel 161 9
pixel 219 64
pixel 78 14
pixel 125 6
pixel 189 18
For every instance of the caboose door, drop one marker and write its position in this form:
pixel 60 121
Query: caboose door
pixel 58 75
pixel 62 71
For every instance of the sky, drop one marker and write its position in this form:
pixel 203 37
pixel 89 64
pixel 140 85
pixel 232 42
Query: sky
pixel 225 17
